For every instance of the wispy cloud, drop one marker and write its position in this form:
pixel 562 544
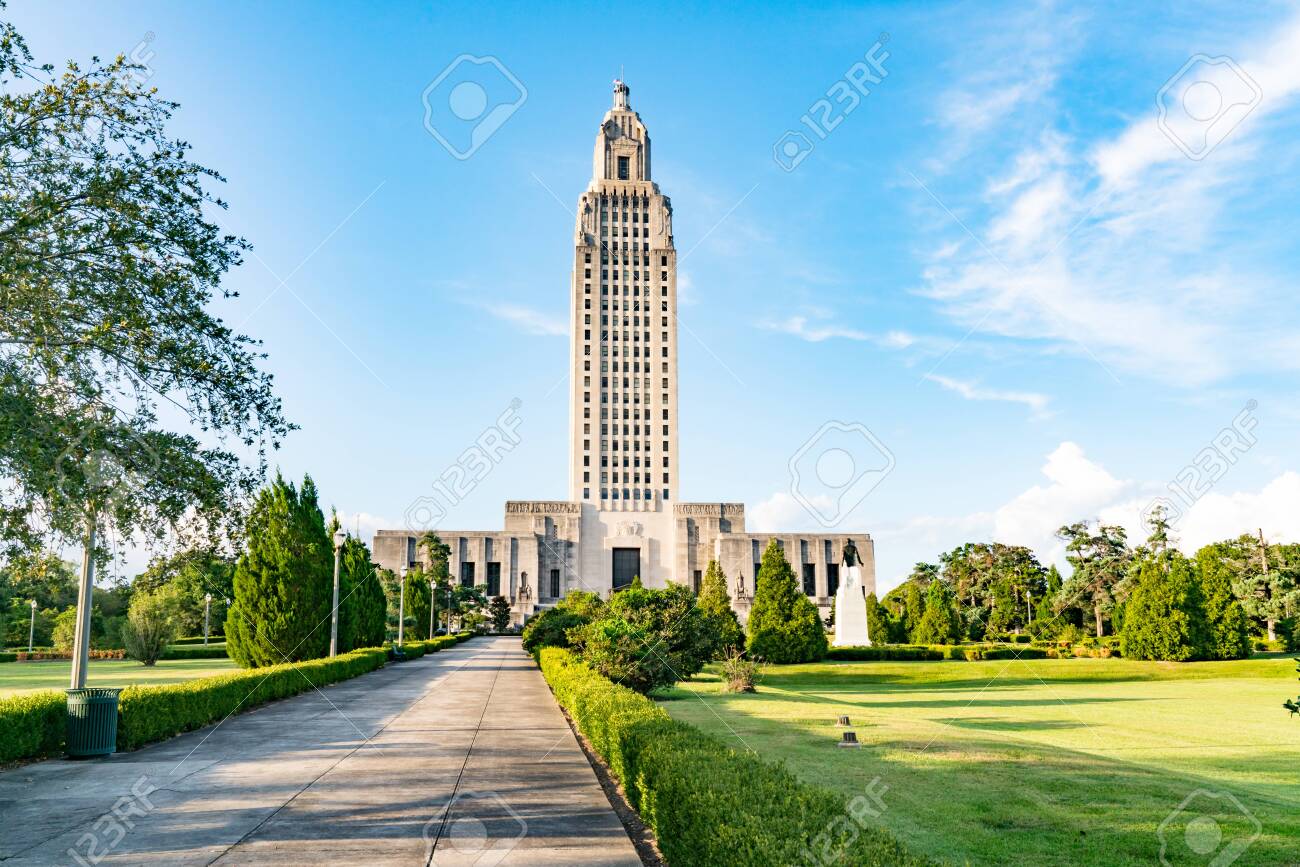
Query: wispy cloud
pixel 973 391
pixel 813 332
pixel 527 319
pixel 1122 249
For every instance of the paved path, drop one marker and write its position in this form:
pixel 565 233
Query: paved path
pixel 460 758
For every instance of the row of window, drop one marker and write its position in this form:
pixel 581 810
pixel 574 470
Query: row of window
pixel 494 578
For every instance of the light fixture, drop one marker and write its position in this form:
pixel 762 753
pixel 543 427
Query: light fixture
pixel 339 538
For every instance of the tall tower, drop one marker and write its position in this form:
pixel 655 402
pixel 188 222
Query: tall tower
pixel 623 395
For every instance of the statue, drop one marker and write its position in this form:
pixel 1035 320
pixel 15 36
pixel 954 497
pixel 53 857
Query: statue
pixel 851 602
pixel 524 591
pixel 740 586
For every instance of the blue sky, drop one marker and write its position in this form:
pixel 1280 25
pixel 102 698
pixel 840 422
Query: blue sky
pixel 1043 300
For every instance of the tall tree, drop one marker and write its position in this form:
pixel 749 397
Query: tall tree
pixel 1163 617
pixel 940 623
pixel 715 602
pixel 283 579
pixel 1227 632
pixel 439 554
pixel 783 623
pixel 1265 577
pixel 363 617
pixel 1100 559
pixel 877 621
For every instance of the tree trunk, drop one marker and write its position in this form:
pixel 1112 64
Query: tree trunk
pixel 85 599
pixel 1096 611
pixel 1272 629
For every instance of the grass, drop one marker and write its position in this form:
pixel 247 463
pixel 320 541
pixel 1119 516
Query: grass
pixel 1048 762
pixel 20 677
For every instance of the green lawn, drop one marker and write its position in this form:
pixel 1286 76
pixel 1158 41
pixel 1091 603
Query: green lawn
pixel 1038 762
pixel 18 677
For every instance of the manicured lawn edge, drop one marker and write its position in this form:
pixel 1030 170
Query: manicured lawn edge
pixel 33 725
pixel 707 803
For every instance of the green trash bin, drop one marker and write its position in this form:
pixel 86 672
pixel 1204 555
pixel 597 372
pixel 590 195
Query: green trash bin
pixel 92 722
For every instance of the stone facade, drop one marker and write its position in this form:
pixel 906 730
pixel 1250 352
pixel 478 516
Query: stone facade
pixel 622 517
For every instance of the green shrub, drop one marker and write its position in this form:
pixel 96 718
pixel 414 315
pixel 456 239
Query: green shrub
pixel 699 795
pixel 190 651
pixel 884 652
pixel 715 602
pixel 8 657
pixel 32 725
pixel 198 639
pixel 151 713
pixel 150 624
pixel 551 628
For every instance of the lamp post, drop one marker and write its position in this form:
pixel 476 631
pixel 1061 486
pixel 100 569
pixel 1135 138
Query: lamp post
pixel 339 538
pixel 401 607
pixel 207 611
pixel 31 632
pixel 449 605
pixel 432 590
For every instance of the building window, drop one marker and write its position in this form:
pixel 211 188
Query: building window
pixel 832 578
pixel 810 579
pixel 555 583
pixel 467 574
pixel 757 566
pixel 494 579
pixel 622 169
pixel 695 580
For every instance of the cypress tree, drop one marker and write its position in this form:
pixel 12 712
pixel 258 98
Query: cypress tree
pixel 1226 633
pixel 913 609
pixel 283 581
pixel 939 624
pixel 877 621
pixel 362 604
pixel 418 600
pixel 783 623
pixel 715 602
pixel 1163 618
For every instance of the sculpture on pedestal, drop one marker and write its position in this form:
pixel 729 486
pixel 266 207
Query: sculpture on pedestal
pixel 851 602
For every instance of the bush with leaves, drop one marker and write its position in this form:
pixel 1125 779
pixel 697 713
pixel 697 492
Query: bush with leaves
pixel 551 628
pixel 739 674
pixel 1227 631
pixel 151 624
pixel 715 602
pixel 783 623
pixel 648 639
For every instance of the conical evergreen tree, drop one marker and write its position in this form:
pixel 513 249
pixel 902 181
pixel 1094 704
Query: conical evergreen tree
pixel 939 624
pixel 783 623
pixel 418 598
pixel 1163 618
pixel 715 602
pixel 877 621
pixel 362 605
pixel 913 609
pixel 1227 633
pixel 283 581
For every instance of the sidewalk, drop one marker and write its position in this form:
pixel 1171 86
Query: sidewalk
pixel 461 757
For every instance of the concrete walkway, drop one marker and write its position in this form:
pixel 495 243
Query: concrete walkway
pixel 460 758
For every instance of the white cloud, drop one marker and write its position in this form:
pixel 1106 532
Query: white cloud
pixel 782 511
pixel 972 391
pixel 800 327
pixel 529 320
pixel 363 525
pixel 1122 249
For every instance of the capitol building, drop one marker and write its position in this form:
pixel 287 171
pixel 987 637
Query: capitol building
pixel 622 518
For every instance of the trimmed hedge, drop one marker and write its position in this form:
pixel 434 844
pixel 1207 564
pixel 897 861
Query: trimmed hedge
pixel 190 651
pixel 198 639
pixel 935 652
pixel 416 649
pixel 151 713
pixel 707 803
pixel 44 655
pixel 33 724
pixel 885 652
pixel 8 657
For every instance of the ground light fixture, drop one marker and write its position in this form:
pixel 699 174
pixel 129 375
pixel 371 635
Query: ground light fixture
pixel 850 740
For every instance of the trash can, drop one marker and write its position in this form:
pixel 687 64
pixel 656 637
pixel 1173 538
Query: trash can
pixel 92 722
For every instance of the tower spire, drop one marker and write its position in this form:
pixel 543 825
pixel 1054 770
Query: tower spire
pixel 621 91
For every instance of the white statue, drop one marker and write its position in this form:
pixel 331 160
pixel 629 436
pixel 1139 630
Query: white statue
pixel 851 602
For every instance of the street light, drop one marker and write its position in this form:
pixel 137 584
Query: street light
pixel 432 591
pixel 401 607
pixel 339 538
pixel 207 611
pixel 31 633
